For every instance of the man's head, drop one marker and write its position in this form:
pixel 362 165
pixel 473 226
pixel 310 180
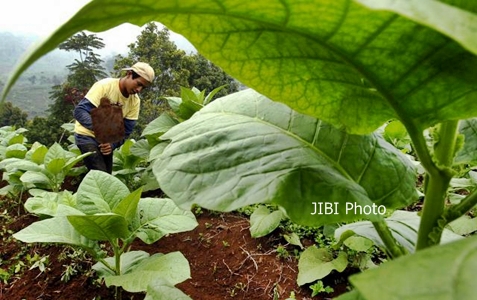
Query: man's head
pixel 142 69
pixel 139 76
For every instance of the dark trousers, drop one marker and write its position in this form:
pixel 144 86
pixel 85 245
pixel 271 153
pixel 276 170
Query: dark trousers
pixel 96 161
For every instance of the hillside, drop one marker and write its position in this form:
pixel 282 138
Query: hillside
pixel 31 92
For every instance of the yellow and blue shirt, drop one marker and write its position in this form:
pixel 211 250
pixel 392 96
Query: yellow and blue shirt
pixel 109 88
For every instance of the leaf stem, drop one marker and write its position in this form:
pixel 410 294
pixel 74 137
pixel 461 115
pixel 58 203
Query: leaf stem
pixel 458 210
pixel 392 247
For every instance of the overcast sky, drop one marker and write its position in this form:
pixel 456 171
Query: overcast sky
pixel 42 17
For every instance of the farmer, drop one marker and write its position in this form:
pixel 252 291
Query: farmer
pixel 121 91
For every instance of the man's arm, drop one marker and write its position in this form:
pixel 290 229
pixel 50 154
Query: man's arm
pixel 82 113
pixel 129 126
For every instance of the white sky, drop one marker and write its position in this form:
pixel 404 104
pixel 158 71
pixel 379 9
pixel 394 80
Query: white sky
pixel 42 17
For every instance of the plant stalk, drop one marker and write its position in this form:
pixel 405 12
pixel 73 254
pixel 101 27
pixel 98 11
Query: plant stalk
pixel 462 208
pixel 394 250
pixel 439 177
pixel 117 261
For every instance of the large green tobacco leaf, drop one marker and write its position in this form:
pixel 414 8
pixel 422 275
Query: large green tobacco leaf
pixel 54 230
pixel 100 192
pixel 340 61
pixel 453 277
pixel 172 266
pixel 101 227
pixel 449 20
pixel 244 149
pixel 158 217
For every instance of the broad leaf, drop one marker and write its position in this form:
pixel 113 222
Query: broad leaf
pixel 404 226
pixel 172 266
pixel 99 192
pixel 16 151
pixel 263 222
pixel 453 277
pixel 158 217
pixel 38 154
pixel 101 227
pixel 449 20
pixel 51 204
pixel 244 149
pixel 464 225
pixel 358 243
pixel 128 261
pixel 54 230
pixel 55 152
pixel 36 178
pixel 344 63
pixel 128 206
pixel 72 161
pixel 141 149
pixel 316 263
pixel 55 166
pixel 159 125
pixel 161 289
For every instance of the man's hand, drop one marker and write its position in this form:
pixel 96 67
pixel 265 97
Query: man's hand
pixel 106 148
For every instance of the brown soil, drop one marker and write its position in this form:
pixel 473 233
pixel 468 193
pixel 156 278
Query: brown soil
pixel 225 261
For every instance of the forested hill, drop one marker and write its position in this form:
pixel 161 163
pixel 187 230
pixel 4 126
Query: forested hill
pixel 31 91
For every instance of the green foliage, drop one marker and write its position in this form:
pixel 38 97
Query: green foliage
pixel 459 257
pixel 42 167
pixel 11 115
pixel 88 69
pixel 104 211
pixel 319 287
pixel 263 222
pixel 408 62
pixel 130 165
pixel 255 150
pixel 316 263
pixel 404 226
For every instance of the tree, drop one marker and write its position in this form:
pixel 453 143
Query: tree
pixel 12 116
pixel 204 75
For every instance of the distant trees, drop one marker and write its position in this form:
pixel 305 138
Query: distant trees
pixel 173 68
pixel 12 116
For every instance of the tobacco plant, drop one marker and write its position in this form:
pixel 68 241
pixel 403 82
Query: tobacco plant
pixel 352 64
pixel 104 212
pixel 42 167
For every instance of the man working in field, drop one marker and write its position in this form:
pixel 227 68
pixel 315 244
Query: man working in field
pixel 116 91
